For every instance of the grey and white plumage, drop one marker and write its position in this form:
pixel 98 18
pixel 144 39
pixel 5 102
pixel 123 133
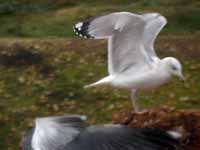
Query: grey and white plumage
pixel 73 133
pixel 132 61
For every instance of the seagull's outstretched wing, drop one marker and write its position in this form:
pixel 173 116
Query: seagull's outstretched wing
pixel 122 138
pixel 154 24
pixel 72 133
pixel 53 133
pixel 125 33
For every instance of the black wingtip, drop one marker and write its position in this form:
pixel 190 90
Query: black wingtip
pixel 81 29
pixel 162 138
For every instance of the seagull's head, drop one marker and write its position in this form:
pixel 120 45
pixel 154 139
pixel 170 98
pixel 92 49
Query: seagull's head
pixel 174 67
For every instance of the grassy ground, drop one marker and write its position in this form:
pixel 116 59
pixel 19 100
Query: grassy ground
pixel 41 77
pixel 41 18
pixel 45 75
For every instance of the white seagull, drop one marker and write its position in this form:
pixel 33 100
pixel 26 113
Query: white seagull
pixel 132 61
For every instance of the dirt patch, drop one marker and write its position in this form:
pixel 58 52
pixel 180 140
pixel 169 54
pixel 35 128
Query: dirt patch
pixel 19 56
pixel 184 45
pixel 185 121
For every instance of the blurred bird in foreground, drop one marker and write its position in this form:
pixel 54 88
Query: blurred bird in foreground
pixel 132 61
pixel 71 132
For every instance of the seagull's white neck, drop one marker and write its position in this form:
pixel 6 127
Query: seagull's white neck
pixel 164 62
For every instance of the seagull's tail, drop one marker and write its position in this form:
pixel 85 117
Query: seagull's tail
pixel 90 85
pixel 103 81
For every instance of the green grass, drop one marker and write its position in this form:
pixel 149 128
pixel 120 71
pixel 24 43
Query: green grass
pixel 45 77
pixel 43 18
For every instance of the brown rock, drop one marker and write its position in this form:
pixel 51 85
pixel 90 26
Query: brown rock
pixel 185 121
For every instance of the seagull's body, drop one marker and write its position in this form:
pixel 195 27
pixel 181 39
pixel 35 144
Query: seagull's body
pixel 71 132
pixel 132 61
pixel 145 78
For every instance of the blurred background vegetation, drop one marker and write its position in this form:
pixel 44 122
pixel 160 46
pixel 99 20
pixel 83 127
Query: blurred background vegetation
pixel 44 66
pixel 41 18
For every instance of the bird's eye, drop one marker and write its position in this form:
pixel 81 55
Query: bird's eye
pixel 174 68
